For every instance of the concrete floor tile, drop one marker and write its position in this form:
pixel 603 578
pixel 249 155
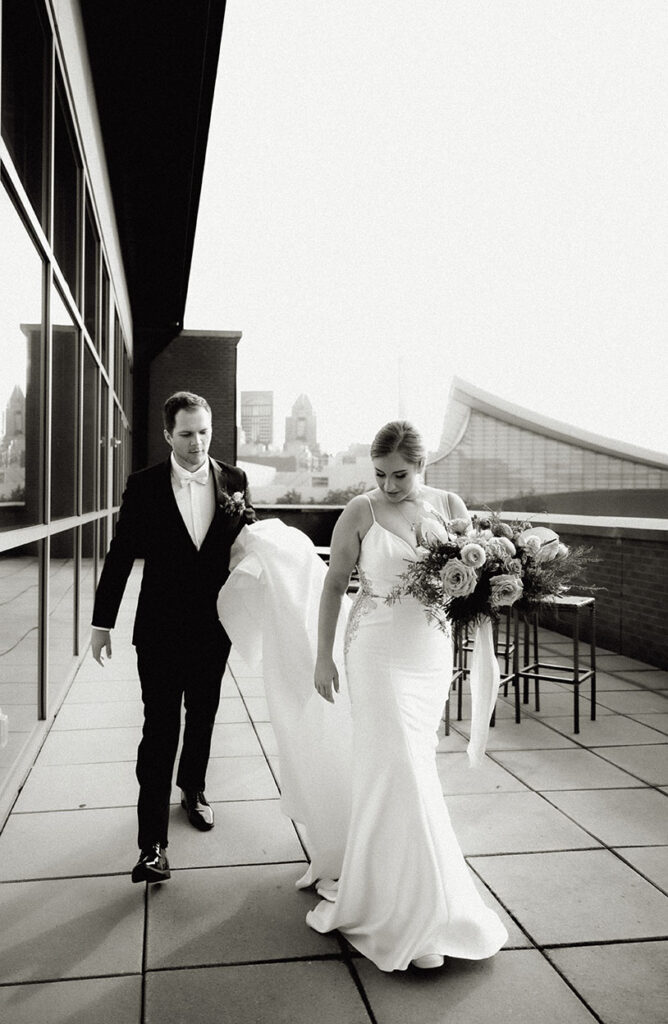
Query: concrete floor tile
pixel 231 709
pixel 108 715
pixel 102 1000
pixel 68 843
pixel 103 691
pixel 286 993
pixel 651 861
pixel 90 746
pixel 235 739
pixel 457 776
pixel 546 770
pixel 68 787
pixel 609 730
pixel 267 738
pixel 70 928
pixel 621 983
pixel 512 822
pixel 240 778
pixel 254 832
pixel 576 896
pixel 114 671
pixel 251 686
pixel 648 762
pixel 514 987
pixel 232 915
pixel 454 742
pixel 657 722
pixel 529 734
pixel 606 682
pixel 257 708
pixel 229 687
pixel 650 679
pixel 619 663
pixel 561 704
pixel 516 937
pixel 617 817
pixel 635 702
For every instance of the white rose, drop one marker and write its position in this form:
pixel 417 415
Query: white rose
pixel 473 554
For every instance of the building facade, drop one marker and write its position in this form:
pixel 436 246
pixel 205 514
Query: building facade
pixel 104 120
pixel 492 452
pixel 301 428
pixel 257 417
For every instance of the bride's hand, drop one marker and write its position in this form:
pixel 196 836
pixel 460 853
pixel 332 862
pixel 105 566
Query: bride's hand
pixel 326 679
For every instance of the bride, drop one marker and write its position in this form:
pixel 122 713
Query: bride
pixel 360 767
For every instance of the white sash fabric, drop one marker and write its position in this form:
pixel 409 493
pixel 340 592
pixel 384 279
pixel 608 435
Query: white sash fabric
pixel 269 608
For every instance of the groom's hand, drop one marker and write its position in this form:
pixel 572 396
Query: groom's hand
pixel 100 641
pixel 326 679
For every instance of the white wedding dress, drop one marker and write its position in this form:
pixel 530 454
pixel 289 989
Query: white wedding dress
pixel 382 829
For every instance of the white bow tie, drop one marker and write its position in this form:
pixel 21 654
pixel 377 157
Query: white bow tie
pixel 200 476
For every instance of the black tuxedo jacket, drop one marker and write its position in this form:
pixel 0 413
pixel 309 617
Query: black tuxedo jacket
pixel 180 583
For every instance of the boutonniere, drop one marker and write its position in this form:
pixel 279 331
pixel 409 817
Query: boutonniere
pixel 233 504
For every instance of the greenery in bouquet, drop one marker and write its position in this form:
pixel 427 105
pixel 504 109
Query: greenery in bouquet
pixel 469 570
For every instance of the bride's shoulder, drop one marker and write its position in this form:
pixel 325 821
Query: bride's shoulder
pixel 359 505
pixel 358 512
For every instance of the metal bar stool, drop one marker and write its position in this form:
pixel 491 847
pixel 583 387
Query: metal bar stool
pixel 505 645
pixel 541 671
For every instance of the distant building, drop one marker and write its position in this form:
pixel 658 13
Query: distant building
pixel 300 428
pixel 494 452
pixel 257 417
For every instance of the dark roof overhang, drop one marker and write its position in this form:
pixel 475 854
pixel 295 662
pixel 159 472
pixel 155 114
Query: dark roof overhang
pixel 154 65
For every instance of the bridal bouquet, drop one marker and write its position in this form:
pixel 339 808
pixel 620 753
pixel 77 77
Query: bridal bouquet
pixel 471 570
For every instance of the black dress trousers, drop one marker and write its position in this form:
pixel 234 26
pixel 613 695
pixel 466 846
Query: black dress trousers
pixel 191 672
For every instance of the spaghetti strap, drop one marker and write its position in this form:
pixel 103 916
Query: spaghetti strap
pixel 448 513
pixel 373 516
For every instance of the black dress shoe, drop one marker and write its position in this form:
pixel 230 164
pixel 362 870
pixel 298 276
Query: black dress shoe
pixel 152 865
pixel 198 809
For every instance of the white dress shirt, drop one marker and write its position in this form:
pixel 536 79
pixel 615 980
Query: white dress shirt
pixel 195 498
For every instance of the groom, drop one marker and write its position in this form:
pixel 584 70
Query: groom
pixel 181 517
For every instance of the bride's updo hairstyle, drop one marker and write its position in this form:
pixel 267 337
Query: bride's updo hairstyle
pixel 399 436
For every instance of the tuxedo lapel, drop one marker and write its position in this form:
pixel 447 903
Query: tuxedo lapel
pixel 223 524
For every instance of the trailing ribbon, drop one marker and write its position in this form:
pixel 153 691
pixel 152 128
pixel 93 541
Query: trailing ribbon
pixel 484 680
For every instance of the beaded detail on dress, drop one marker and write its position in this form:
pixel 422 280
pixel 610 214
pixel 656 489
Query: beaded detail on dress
pixel 364 602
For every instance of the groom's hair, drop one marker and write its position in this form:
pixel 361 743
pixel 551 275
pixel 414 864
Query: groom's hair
pixel 181 400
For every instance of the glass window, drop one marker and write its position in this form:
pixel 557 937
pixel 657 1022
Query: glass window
pixel 19 648
pixel 91 265
pixel 88 579
pixel 64 408
pixel 66 216
pixel 62 567
pixel 127 386
pixel 119 366
pixel 21 348
pixel 117 450
pixel 24 76
pixel 91 432
pixel 104 443
pixel 104 318
pixel 102 540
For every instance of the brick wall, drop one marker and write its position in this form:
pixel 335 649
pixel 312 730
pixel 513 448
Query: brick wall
pixel 204 362
pixel 632 572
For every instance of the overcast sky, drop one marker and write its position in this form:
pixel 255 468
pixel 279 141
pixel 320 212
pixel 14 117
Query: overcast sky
pixel 396 193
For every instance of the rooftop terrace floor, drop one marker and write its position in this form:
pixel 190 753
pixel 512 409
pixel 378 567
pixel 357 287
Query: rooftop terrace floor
pixel 567 837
